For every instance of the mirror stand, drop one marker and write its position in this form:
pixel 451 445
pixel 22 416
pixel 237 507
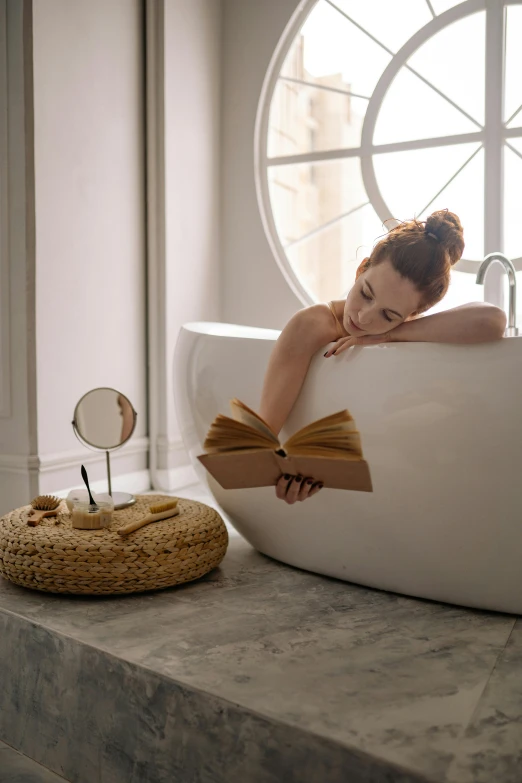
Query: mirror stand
pixel 120 499
pixel 104 419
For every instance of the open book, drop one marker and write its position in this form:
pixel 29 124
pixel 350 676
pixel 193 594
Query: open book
pixel 244 452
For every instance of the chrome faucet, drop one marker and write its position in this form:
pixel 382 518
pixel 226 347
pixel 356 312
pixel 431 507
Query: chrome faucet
pixel 511 330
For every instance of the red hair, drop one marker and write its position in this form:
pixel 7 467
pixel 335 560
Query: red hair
pixel 423 252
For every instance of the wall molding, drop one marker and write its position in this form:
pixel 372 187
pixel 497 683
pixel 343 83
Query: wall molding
pixel 58 472
pixel 176 478
pixel 18 425
pixel 170 453
pixel 49 463
pixel 164 456
pixel 173 468
pixel 168 460
pixel 5 333
pixel 55 462
pixel 156 230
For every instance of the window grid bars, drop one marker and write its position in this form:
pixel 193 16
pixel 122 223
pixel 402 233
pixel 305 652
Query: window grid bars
pixel 324 226
pixel 514 149
pixel 323 87
pixel 443 188
pixel 513 115
pixel 408 67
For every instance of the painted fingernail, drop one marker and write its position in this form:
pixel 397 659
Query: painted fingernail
pixel 299 479
pixel 309 481
pixel 287 477
pixel 320 485
pixel 326 354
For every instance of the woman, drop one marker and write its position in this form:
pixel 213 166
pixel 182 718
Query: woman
pixel 407 273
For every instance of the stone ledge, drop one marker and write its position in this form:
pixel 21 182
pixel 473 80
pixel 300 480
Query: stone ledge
pixel 262 673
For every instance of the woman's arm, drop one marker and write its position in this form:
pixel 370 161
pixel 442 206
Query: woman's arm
pixel 306 332
pixel 478 322
pixel 470 323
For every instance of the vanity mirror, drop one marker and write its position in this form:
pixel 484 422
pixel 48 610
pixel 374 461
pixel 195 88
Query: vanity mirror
pixel 105 419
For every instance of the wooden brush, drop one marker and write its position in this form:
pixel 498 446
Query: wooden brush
pixel 157 512
pixel 43 506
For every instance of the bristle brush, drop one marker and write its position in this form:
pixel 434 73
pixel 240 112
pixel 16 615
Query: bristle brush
pixel 156 512
pixel 42 506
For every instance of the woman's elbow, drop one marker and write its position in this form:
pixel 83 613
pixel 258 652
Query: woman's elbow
pixel 492 322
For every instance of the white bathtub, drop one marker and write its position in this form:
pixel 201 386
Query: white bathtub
pixel 441 429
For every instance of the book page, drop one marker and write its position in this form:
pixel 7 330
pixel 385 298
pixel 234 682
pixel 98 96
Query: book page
pixel 226 434
pixel 342 419
pixel 243 413
pixel 334 436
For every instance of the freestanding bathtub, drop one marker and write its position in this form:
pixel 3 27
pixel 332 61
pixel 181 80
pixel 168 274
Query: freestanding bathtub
pixel 441 429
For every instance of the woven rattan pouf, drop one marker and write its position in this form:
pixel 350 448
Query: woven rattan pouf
pixel 57 558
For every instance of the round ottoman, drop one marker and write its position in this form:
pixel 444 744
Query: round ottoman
pixel 57 558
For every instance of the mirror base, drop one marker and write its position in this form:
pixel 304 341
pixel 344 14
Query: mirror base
pixel 122 500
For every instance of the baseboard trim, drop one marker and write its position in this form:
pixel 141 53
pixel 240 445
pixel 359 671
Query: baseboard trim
pixel 59 472
pixel 47 463
pixel 175 478
pixel 170 453
pixel 56 472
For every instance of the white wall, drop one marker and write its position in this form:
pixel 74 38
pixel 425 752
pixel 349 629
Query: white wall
pixel 192 186
pixel 90 225
pixel 79 226
pixel 254 290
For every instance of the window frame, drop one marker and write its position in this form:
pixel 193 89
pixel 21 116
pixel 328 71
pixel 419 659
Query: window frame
pixel 492 136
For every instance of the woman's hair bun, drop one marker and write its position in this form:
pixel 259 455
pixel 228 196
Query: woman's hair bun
pixel 445 227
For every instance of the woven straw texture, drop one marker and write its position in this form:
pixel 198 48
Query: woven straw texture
pixel 57 558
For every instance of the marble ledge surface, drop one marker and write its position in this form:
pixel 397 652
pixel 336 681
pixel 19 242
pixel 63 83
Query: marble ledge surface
pixel 15 768
pixel 429 689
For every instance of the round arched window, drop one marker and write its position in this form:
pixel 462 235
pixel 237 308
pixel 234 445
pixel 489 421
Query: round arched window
pixel 373 110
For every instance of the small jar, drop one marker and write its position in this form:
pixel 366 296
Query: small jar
pixel 76 496
pixel 81 495
pixel 84 518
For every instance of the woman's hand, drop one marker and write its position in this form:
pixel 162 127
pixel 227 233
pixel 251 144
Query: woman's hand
pixel 346 342
pixel 294 488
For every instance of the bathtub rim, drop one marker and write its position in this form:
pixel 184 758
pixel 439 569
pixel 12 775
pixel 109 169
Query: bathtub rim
pixel 225 329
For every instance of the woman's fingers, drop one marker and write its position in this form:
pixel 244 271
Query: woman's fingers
pixel 288 487
pixel 344 345
pixel 306 486
pixel 315 488
pixel 343 341
pixel 309 487
pixel 282 486
pixel 296 488
pixel 346 342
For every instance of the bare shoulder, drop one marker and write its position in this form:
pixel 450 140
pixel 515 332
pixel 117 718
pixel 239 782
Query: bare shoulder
pixel 316 324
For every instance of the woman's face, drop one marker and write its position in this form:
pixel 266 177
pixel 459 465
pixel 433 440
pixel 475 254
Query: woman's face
pixel 379 301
